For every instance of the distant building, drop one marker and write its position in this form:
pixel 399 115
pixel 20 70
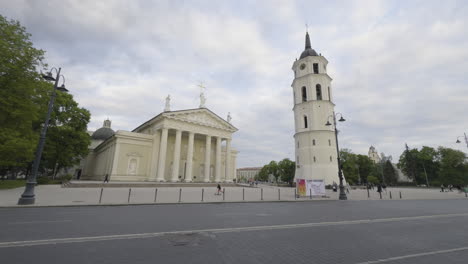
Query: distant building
pixel 374 155
pixel 246 174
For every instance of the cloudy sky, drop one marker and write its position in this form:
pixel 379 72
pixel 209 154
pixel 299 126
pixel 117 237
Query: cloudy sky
pixel 399 67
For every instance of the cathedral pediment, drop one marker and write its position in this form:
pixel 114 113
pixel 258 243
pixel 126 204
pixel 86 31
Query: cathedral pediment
pixel 199 116
pixel 202 117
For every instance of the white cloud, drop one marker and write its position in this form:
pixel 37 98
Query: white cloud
pixel 399 69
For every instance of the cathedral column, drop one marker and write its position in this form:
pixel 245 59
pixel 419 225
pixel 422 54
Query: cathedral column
pixel 162 155
pixel 227 176
pixel 218 160
pixel 154 157
pixel 207 158
pixel 176 159
pixel 188 171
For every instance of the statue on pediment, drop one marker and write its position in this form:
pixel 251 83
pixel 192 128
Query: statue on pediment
pixel 229 117
pixel 202 96
pixel 167 108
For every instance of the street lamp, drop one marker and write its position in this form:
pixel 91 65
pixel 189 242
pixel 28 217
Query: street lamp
pixel 466 139
pixel 340 173
pixel 28 197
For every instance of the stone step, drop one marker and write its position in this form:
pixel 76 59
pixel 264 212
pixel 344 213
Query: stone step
pixel 142 185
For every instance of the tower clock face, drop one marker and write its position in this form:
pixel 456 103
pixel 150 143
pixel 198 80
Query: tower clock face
pixel 302 66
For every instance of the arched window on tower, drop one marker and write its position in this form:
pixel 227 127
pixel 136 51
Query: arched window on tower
pixel 304 94
pixel 329 95
pixel 313 142
pixel 305 121
pixel 318 90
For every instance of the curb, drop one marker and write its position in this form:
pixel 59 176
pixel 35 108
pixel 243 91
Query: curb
pixel 184 203
pixel 225 202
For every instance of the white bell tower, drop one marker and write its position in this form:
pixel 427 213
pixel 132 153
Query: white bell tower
pixel 313 104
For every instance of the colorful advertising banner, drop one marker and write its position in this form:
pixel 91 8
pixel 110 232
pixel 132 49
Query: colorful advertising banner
pixel 301 187
pixel 317 187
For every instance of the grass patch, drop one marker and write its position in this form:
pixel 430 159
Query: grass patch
pixel 11 184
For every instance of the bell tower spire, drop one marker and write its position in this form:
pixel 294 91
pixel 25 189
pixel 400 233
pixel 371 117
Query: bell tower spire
pixel 307 41
pixel 315 145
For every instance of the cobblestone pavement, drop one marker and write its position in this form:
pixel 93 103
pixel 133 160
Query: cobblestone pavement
pixel 56 195
pixel 397 231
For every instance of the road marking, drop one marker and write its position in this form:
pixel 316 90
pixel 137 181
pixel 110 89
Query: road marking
pixel 217 230
pixel 38 222
pixel 415 255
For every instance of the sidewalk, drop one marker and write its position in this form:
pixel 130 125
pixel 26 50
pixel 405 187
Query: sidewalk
pixel 56 195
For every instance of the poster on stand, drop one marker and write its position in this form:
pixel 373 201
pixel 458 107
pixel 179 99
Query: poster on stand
pixel 315 187
pixel 301 187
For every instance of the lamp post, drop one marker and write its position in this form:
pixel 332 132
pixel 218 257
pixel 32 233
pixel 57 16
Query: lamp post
pixel 466 139
pixel 340 173
pixel 28 197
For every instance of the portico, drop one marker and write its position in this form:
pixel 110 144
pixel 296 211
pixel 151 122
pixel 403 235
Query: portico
pixel 175 146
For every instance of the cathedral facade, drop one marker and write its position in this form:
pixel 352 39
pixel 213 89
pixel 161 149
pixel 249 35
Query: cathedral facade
pixel 192 145
pixel 315 144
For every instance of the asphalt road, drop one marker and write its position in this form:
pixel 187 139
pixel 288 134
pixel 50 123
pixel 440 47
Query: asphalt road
pixel 392 231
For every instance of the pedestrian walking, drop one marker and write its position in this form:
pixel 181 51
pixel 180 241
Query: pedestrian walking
pixel 379 188
pixel 442 188
pixel 218 189
pixel 106 179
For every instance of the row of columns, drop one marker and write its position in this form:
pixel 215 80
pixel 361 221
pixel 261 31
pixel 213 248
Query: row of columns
pixel 188 176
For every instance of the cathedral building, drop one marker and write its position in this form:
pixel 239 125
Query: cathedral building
pixel 192 145
pixel 315 144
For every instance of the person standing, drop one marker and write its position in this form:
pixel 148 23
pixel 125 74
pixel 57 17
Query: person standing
pixel 106 179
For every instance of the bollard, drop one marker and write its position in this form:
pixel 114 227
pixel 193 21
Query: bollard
pixel 100 196
pixel 310 192
pixel 129 193
pixel 295 194
pixel 261 194
pixel 224 191
pixel 390 194
pixel 368 194
pixel 380 195
pixel 400 194
pixel 202 193
pixel 155 194
pixel 279 194
pixel 243 194
pixel 180 194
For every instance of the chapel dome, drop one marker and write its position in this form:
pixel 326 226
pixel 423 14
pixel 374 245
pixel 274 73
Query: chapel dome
pixel 104 132
pixel 308 51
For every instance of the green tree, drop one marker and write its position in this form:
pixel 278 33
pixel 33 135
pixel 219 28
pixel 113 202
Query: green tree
pixel 428 164
pixel 273 170
pixel 350 166
pixel 263 174
pixel 67 140
pixel 287 168
pixel 372 179
pixel 24 98
pixel 366 167
pixel 453 167
pixel 19 79
pixel 389 173
pixel 408 163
